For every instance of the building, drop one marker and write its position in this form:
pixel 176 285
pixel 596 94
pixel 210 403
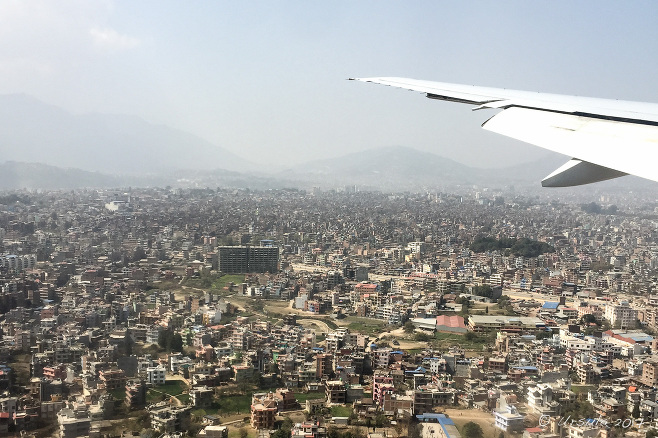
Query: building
pixel 201 396
pixel 621 315
pixel 508 324
pixel 169 418
pixel 113 378
pixel 242 259
pixel 214 432
pixel 73 423
pixel 650 373
pixel 336 392
pixel 156 375
pixel 308 429
pixel 540 400
pixel 135 393
pixel 508 419
pixel 263 414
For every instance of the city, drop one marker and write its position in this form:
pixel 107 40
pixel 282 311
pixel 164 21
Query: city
pixel 326 313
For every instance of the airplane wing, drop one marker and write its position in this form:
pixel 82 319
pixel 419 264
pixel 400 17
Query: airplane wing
pixel 606 138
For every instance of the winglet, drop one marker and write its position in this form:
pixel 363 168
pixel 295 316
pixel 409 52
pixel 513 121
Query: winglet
pixel 577 172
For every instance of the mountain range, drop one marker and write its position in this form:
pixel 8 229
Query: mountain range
pixel 407 168
pixel 44 146
pixel 32 131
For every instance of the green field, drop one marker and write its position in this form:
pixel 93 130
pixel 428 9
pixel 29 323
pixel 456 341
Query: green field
pixel 205 411
pixel 578 389
pixel 214 283
pixel 234 432
pixel 341 411
pixel 224 280
pixel 369 326
pixel 302 397
pixel 234 404
pixel 170 388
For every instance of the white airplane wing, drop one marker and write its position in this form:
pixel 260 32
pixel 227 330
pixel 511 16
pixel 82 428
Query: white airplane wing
pixel 606 138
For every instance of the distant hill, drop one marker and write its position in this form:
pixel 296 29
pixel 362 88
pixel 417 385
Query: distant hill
pixel 387 167
pixel 32 131
pixel 405 167
pixel 14 175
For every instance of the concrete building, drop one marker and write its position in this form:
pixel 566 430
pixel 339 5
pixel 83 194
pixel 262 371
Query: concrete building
pixel 263 414
pixel 73 423
pixel 156 375
pixel 243 259
pixel 509 324
pixel 169 418
pixel 622 314
pixel 508 419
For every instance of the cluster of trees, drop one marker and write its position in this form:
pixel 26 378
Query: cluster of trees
pixel 483 291
pixel 519 247
pixel 170 341
pixel 505 303
pixel 472 430
pixel 595 208
pixel 578 409
pixel 284 431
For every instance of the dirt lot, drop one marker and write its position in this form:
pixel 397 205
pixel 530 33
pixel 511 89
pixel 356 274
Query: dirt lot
pixel 484 419
pixel 405 344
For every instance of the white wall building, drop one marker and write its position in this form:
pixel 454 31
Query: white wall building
pixel 621 314
pixel 156 375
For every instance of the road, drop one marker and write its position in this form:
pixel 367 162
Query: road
pixel 317 323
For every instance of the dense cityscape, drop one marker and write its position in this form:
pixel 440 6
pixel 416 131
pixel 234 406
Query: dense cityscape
pixel 291 313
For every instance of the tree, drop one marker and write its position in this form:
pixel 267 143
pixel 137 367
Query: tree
pixel 177 343
pixel 483 291
pixel 472 430
pixel 381 420
pixel 162 338
pixel 588 319
pixel 409 327
pixel 147 433
pixel 138 254
pixel 258 305
pixel 128 344
pixel 415 430
pixel 333 432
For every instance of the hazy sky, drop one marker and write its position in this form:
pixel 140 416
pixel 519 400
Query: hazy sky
pixel 267 80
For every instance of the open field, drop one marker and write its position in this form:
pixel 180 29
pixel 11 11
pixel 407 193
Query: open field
pixel 169 389
pixel 484 419
pixel 301 397
pixel 578 389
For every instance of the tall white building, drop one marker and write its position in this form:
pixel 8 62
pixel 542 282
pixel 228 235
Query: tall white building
pixel 156 375
pixel 621 314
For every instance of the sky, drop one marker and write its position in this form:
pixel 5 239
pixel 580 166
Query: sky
pixel 267 79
